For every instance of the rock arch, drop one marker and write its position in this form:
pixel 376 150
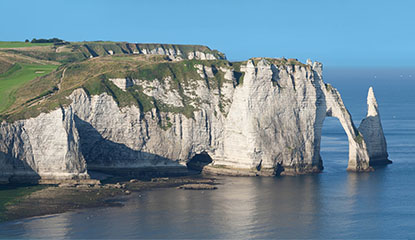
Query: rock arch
pixel 367 144
pixel 358 154
pixel 275 122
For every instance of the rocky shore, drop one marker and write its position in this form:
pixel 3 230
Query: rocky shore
pixel 70 196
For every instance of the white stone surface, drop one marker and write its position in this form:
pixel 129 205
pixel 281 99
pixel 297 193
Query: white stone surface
pixel 46 146
pixel 200 56
pixel 175 55
pixel 270 122
pixel 371 128
pixel 122 83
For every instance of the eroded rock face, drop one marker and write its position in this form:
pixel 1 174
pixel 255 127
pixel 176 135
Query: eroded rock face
pixel 44 147
pixel 275 121
pixel 268 123
pixel 371 128
pixel 175 54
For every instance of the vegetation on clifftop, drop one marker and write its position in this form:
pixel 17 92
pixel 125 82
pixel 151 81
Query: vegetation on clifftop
pixel 15 77
pixel 40 78
pixel 51 91
pixel 65 52
pixel 16 44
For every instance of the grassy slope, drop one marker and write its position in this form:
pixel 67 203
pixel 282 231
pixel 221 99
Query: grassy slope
pixel 48 53
pixel 79 51
pixel 22 44
pixel 22 95
pixel 15 77
pixel 92 75
pixel 4 66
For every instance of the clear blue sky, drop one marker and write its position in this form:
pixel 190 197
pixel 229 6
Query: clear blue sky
pixel 337 33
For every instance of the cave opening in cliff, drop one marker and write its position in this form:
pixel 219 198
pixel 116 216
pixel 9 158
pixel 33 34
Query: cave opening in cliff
pixel 199 161
pixel 334 146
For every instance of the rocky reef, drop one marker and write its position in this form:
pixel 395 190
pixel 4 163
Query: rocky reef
pixel 257 117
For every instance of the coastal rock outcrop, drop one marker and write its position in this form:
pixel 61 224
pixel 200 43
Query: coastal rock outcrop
pixel 371 128
pixel 261 117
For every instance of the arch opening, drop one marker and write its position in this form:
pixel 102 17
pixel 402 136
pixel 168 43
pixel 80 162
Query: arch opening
pixel 334 145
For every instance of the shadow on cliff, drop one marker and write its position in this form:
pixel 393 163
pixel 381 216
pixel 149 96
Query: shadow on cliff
pixel 199 161
pixel 113 158
pixel 382 160
pixel 16 171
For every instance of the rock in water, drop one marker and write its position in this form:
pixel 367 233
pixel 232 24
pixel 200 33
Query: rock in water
pixel 197 187
pixel 371 128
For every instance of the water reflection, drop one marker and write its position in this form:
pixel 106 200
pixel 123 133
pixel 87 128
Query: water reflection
pixel 347 205
pixel 53 226
pixel 242 207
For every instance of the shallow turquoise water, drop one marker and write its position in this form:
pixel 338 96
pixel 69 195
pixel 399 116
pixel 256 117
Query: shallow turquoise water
pixel 333 204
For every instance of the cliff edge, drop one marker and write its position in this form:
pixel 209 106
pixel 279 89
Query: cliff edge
pixel 115 113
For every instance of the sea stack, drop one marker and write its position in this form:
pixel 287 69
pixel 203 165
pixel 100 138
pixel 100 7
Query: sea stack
pixel 371 128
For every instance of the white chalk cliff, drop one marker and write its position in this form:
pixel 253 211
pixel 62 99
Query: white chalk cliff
pixel 266 123
pixel 371 128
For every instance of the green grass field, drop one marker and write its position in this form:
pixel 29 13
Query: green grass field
pixel 22 44
pixel 15 77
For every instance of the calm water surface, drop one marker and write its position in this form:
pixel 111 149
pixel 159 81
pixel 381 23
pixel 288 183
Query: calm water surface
pixel 334 204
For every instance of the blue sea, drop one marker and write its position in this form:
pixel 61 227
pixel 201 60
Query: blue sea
pixel 333 204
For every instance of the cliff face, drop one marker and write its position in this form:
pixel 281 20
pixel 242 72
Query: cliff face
pixel 275 121
pixel 44 147
pixel 266 122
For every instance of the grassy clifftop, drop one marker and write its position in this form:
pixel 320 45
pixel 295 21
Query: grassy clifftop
pixel 25 93
pixel 16 44
pixel 50 91
pixel 79 51
pixel 15 77
pixel 108 48
pixel 39 79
